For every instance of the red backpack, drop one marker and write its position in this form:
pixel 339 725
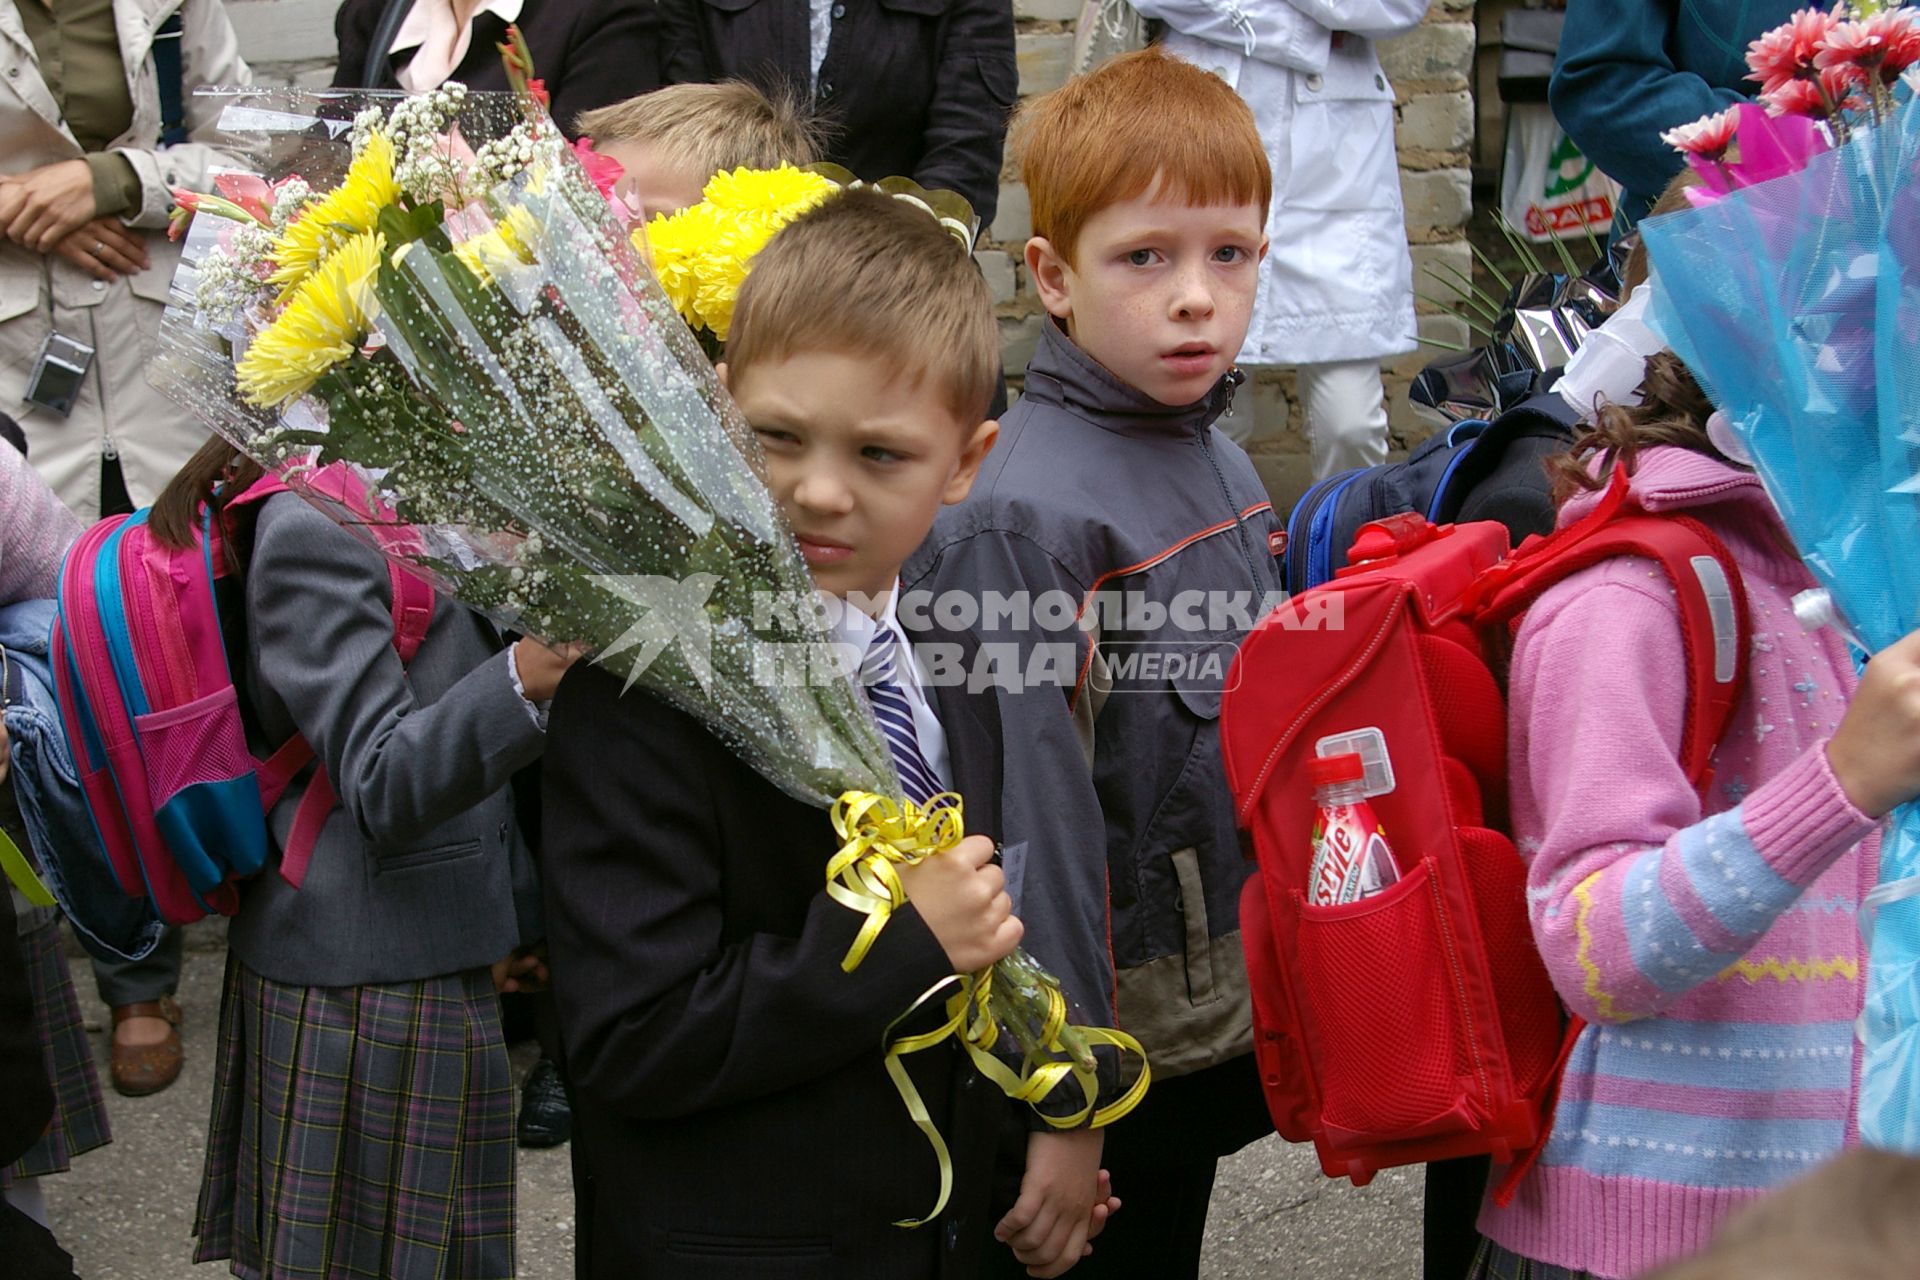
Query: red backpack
pixel 1419 1024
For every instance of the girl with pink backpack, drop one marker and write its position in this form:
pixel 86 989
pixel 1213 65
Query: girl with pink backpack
pixel 1708 937
pixel 362 1118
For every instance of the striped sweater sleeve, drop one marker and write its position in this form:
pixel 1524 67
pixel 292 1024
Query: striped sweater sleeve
pixel 1637 896
pixel 36 529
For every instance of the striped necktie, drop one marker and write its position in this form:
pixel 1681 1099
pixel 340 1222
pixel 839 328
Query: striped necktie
pixel 894 714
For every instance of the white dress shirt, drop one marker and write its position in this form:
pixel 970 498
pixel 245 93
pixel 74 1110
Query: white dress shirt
pixel 441 40
pixel 819 32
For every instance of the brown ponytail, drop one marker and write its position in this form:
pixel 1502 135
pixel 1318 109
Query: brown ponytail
pixel 212 475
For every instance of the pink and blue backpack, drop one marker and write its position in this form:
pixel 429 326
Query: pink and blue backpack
pixel 153 719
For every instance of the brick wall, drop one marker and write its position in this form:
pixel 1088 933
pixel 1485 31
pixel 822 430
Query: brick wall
pixel 291 41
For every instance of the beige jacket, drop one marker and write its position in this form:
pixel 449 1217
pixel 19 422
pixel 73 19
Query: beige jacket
pixel 117 412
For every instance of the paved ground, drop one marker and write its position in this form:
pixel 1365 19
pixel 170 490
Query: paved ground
pixel 125 1211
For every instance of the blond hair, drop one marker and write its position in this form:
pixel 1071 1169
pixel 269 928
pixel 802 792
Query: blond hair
pixel 869 275
pixel 1850 1219
pixel 710 127
pixel 1138 120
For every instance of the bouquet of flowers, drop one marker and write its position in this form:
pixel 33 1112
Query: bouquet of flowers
pixel 1792 290
pixel 426 317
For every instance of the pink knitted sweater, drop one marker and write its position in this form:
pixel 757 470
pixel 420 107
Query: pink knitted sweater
pixel 1713 948
pixel 35 530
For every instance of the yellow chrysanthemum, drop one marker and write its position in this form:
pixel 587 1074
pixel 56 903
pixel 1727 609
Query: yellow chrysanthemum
pixel 349 210
pixel 675 244
pixel 702 254
pixel 323 323
pixel 783 191
pixel 506 244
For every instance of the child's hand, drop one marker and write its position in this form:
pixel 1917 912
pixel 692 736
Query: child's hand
pixel 963 898
pixel 524 970
pixel 1875 753
pixel 541 668
pixel 1065 1201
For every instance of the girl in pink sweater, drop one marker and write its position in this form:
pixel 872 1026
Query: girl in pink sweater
pixel 1711 944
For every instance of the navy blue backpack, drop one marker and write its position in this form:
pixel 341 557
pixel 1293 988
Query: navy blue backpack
pixel 1476 470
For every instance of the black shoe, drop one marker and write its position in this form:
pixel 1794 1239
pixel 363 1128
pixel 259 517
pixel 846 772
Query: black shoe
pixel 545 1118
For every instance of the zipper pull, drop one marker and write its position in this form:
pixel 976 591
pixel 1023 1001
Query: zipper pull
pixel 1235 376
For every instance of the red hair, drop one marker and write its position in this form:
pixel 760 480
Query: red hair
pixel 1145 121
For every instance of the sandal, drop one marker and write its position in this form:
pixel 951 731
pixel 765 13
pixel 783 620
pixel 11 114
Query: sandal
pixel 142 1069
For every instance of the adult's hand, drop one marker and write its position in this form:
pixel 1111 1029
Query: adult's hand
pixel 105 248
pixel 50 202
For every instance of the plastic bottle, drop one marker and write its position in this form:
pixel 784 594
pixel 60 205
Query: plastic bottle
pixel 1351 857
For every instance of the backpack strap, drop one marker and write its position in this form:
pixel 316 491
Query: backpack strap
pixel 412 609
pixel 1707 587
pixel 411 605
pixel 167 39
pixel 378 67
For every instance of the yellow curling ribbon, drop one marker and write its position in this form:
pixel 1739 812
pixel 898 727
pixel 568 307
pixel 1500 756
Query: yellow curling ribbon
pixel 879 834
pixel 21 872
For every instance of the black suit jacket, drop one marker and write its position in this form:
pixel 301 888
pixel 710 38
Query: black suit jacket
pixel 734 1119
pixel 915 88
pixel 589 52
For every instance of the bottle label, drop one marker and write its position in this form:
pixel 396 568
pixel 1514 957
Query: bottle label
pixel 1350 857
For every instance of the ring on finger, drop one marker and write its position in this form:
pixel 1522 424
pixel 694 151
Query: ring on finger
pixel 99 246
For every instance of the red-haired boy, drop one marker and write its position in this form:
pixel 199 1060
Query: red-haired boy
pixel 1111 555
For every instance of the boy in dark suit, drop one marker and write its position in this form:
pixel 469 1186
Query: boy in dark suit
pixel 734 1114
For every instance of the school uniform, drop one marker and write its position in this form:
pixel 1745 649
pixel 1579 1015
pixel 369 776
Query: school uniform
pixel 363 1102
pixel 80 1111
pixel 734 1119
pixel 27 1246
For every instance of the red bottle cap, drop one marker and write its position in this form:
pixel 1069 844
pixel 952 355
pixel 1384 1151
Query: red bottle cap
pixel 1327 770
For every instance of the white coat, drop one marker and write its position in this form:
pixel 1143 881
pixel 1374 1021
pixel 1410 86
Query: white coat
pixel 1338 281
pixel 118 411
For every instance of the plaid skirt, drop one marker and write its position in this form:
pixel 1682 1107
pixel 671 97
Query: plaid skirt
pixel 79 1112
pixel 1495 1263
pixel 360 1132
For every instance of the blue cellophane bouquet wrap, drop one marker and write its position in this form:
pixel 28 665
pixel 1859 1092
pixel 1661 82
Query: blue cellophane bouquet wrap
pixel 1796 303
pixel 426 316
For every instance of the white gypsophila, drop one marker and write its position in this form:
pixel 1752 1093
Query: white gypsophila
pixel 364 124
pixel 508 156
pixel 289 198
pixel 420 120
pixel 226 287
pixel 426 171
pixel 251 248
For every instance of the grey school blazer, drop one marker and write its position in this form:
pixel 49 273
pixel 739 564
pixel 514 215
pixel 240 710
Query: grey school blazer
pixel 421 869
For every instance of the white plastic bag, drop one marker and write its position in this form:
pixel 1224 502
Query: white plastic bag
pixel 1548 187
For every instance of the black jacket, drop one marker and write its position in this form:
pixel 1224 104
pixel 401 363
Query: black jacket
pixel 589 52
pixel 733 1116
pixel 915 88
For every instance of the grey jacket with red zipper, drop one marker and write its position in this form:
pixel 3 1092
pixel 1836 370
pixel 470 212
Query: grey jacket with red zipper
pixel 1144 544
